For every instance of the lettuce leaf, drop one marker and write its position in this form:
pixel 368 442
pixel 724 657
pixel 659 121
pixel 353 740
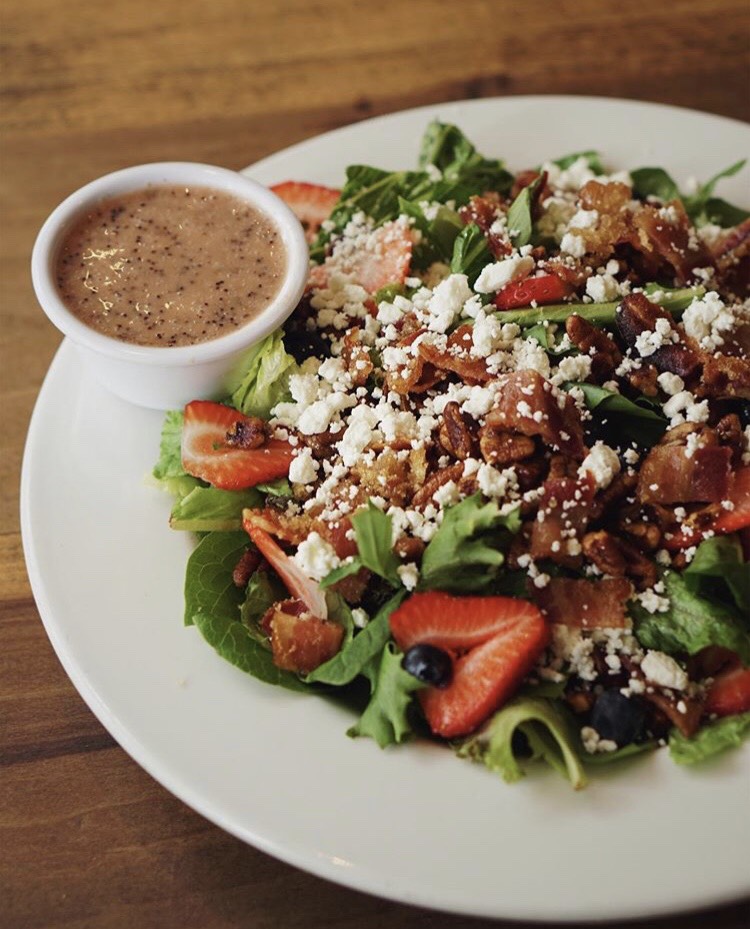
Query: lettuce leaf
pixel 690 624
pixel 636 420
pixel 446 148
pixel 212 605
pixel 548 736
pixel 520 222
pixel 262 591
pixel 262 380
pixel 385 717
pixel 470 252
pixel 208 509
pixel 374 541
pixel 465 553
pixel 710 740
pixel 719 569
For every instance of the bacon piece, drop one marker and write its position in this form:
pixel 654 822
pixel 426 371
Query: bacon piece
pixel 455 357
pixel 582 604
pixel 483 211
pixel 637 314
pixel 530 405
pixel 301 643
pixel 564 512
pixel 687 722
pixel 733 261
pixel 356 357
pixel 670 233
pixel 669 475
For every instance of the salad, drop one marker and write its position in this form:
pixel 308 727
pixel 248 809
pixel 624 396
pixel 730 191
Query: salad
pixel 491 483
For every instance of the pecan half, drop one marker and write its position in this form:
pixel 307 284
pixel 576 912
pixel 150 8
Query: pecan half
pixel 435 481
pixel 456 434
pixel 502 448
pixel 248 433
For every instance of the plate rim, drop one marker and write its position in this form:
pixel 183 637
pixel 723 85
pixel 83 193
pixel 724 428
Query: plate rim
pixel 361 879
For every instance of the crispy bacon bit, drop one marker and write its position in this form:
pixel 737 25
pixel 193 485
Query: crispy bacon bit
pixel 246 567
pixel 733 262
pixel 529 405
pixel 455 357
pixel 582 604
pixel 417 375
pixel 637 314
pixel 687 722
pixel 356 358
pixel 483 211
pixel 503 448
pixel 250 432
pixel 606 355
pixel 670 234
pixel 456 432
pixel 301 643
pixel 670 475
pixel 564 512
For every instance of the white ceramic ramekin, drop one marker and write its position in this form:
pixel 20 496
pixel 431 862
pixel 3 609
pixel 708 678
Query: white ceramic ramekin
pixel 167 378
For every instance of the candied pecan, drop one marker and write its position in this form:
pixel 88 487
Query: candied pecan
pixel 729 433
pixel 585 337
pixel 640 568
pixel 246 567
pixel 644 379
pixel 725 376
pixel 410 549
pixel 250 432
pixel 356 358
pixel 353 587
pixel 603 549
pixel 456 433
pixel 561 466
pixel 321 444
pixel 435 481
pixel 580 701
pixel 647 536
pixel 503 448
pixel 624 483
pixel 530 472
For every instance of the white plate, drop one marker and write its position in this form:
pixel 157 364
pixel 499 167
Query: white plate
pixel 275 768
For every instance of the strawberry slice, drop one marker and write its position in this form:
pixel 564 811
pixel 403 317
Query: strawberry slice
pixel 504 638
pixel 730 692
pixel 295 580
pixel 548 288
pixel 310 203
pixel 207 454
pixel 734 520
pixel 383 259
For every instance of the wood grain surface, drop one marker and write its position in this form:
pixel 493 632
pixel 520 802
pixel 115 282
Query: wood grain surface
pixel 87 839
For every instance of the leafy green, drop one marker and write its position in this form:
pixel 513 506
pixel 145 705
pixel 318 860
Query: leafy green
pixel 627 751
pixel 719 569
pixel 470 252
pixel 635 420
pixel 170 457
pixel 262 379
pixel 262 591
pixel 385 717
pixel 208 509
pixel 438 234
pixel 374 541
pixel 702 207
pixel 710 739
pixel 278 488
pixel 361 654
pixel 465 553
pixel 674 300
pixel 593 160
pixel 345 570
pixel 520 222
pixel 690 624
pixel 548 736
pixel 212 604
pixel 446 148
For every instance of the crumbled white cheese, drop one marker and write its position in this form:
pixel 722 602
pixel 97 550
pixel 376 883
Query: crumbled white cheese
pixel 304 468
pixel 584 219
pixel 651 340
pixel 663 670
pixel 573 245
pixel 409 574
pixel 670 383
pixel 593 743
pixel 708 320
pixel 316 557
pixel 602 463
pixel 447 302
pixel 496 276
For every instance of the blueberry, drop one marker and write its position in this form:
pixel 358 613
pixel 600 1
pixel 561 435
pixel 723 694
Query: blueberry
pixel 429 664
pixel 617 717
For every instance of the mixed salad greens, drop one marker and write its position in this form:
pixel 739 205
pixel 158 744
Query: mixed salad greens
pixel 491 483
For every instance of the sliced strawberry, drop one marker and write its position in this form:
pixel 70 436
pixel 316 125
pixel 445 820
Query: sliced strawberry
pixel 504 636
pixel 733 520
pixel 539 290
pixel 295 580
pixel 310 203
pixel 207 454
pixel 454 623
pixel 383 259
pixel 730 692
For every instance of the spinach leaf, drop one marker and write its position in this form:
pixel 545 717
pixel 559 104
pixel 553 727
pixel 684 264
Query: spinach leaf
pixel 361 654
pixel 690 624
pixel 208 509
pixel 520 222
pixel 385 717
pixel 718 211
pixel 718 567
pixel 702 207
pixel 634 420
pixel 654 182
pixel 548 736
pixel 470 252
pixel 262 379
pixel 465 553
pixel 212 604
pixel 710 740
pixel 593 160
pixel 698 207
pixel 374 541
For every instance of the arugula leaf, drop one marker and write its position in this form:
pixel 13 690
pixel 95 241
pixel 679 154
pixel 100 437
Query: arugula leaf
pixel 208 509
pixel 709 740
pixel 593 160
pixel 719 561
pixel 690 624
pixel 361 654
pixel 464 554
pixel 262 379
pixel 470 252
pixel 634 420
pixel 212 604
pixel 548 737
pixel 654 182
pixel 520 222
pixel 384 718
pixel 374 541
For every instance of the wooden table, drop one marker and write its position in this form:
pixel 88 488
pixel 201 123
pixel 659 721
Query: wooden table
pixel 87 838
